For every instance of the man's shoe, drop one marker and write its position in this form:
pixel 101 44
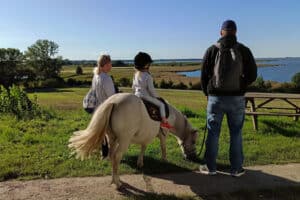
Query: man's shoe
pixel 204 170
pixel 238 173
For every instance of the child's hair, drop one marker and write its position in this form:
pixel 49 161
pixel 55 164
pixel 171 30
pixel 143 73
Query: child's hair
pixel 141 60
pixel 103 60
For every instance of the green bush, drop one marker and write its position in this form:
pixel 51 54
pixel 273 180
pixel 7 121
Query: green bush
pixel 124 82
pixel 166 85
pixel 296 79
pixel 79 70
pixel 119 63
pixel 259 83
pixel 196 86
pixel 285 87
pixel 52 83
pixel 15 101
pixel 74 82
pixel 163 84
pixel 180 85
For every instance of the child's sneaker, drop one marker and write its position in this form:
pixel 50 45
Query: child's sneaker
pixel 166 125
pixel 238 173
pixel 204 170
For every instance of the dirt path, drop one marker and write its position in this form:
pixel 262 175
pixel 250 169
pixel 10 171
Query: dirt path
pixel 187 184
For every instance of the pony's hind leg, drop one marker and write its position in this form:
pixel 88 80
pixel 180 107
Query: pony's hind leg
pixel 140 161
pixel 116 159
pixel 112 147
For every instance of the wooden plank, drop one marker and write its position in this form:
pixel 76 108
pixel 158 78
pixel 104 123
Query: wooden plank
pixel 264 103
pixel 272 114
pixel 254 117
pixel 291 103
pixel 297 117
pixel 279 108
pixel 272 95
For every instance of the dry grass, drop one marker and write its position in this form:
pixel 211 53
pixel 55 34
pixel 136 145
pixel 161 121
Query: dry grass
pixel 168 73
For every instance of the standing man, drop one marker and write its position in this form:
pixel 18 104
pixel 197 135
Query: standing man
pixel 228 68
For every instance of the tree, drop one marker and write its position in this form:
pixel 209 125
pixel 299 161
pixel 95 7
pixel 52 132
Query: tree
pixel 119 63
pixel 79 70
pixel 259 83
pixel 296 79
pixel 180 85
pixel 10 66
pixel 163 84
pixel 41 56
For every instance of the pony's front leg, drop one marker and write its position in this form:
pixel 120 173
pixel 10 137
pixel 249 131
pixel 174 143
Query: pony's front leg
pixel 140 161
pixel 116 159
pixel 162 135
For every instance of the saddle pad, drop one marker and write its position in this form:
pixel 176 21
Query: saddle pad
pixel 153 110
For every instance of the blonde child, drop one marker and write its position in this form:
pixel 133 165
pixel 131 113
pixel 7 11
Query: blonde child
pixel 102 82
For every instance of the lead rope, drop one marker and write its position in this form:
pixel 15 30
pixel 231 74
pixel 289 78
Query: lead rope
pixel 204 136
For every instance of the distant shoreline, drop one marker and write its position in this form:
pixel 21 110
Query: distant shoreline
pixel 261 62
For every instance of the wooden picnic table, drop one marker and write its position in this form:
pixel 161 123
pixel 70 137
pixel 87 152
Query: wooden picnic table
pixel 265 98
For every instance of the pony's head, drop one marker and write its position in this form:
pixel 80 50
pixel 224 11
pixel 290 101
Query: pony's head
pixel 188 141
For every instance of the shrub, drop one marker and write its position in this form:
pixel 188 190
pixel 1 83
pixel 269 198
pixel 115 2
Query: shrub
pixel 166 85
pixel 196 86
pixel 268 85
pixel 259 82
pixel 52 83
pixel 124 82
pixel 296 79
pixel 285 87
pixel 119 63
pixel 180 85
pixel 79 70
pixel 163 84
pixel 74 82
pixel 170 84
pixel 16 102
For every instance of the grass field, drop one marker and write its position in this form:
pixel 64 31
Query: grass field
pixel 158 72
pixel 167 71
pixel 38 148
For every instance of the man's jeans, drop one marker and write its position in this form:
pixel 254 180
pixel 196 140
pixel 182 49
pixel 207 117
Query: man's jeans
pixel 234 108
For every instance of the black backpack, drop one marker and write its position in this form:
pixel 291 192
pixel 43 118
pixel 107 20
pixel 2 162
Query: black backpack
pixel 228 69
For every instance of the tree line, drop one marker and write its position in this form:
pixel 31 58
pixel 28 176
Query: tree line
pixel 38 62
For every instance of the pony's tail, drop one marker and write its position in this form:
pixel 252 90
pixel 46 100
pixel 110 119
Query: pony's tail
pixel 84 143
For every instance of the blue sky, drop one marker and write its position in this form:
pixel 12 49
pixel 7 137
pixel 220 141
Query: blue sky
pixel 164 28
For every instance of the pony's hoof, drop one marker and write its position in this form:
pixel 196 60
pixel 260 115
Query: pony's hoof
pixel 140 164
pixel 117 185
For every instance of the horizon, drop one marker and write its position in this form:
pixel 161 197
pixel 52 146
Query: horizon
pixel 158 59
pixel 166 30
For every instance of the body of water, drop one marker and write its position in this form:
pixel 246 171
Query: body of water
pixel 283 72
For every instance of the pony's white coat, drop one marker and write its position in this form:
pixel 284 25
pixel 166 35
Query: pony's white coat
pixel 124 118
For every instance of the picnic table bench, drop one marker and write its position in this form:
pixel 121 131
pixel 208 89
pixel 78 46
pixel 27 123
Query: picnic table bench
pixel 265 98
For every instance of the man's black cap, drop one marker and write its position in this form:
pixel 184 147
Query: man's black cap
pixel 229 25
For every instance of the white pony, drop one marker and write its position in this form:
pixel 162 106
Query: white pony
pixel 125 120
